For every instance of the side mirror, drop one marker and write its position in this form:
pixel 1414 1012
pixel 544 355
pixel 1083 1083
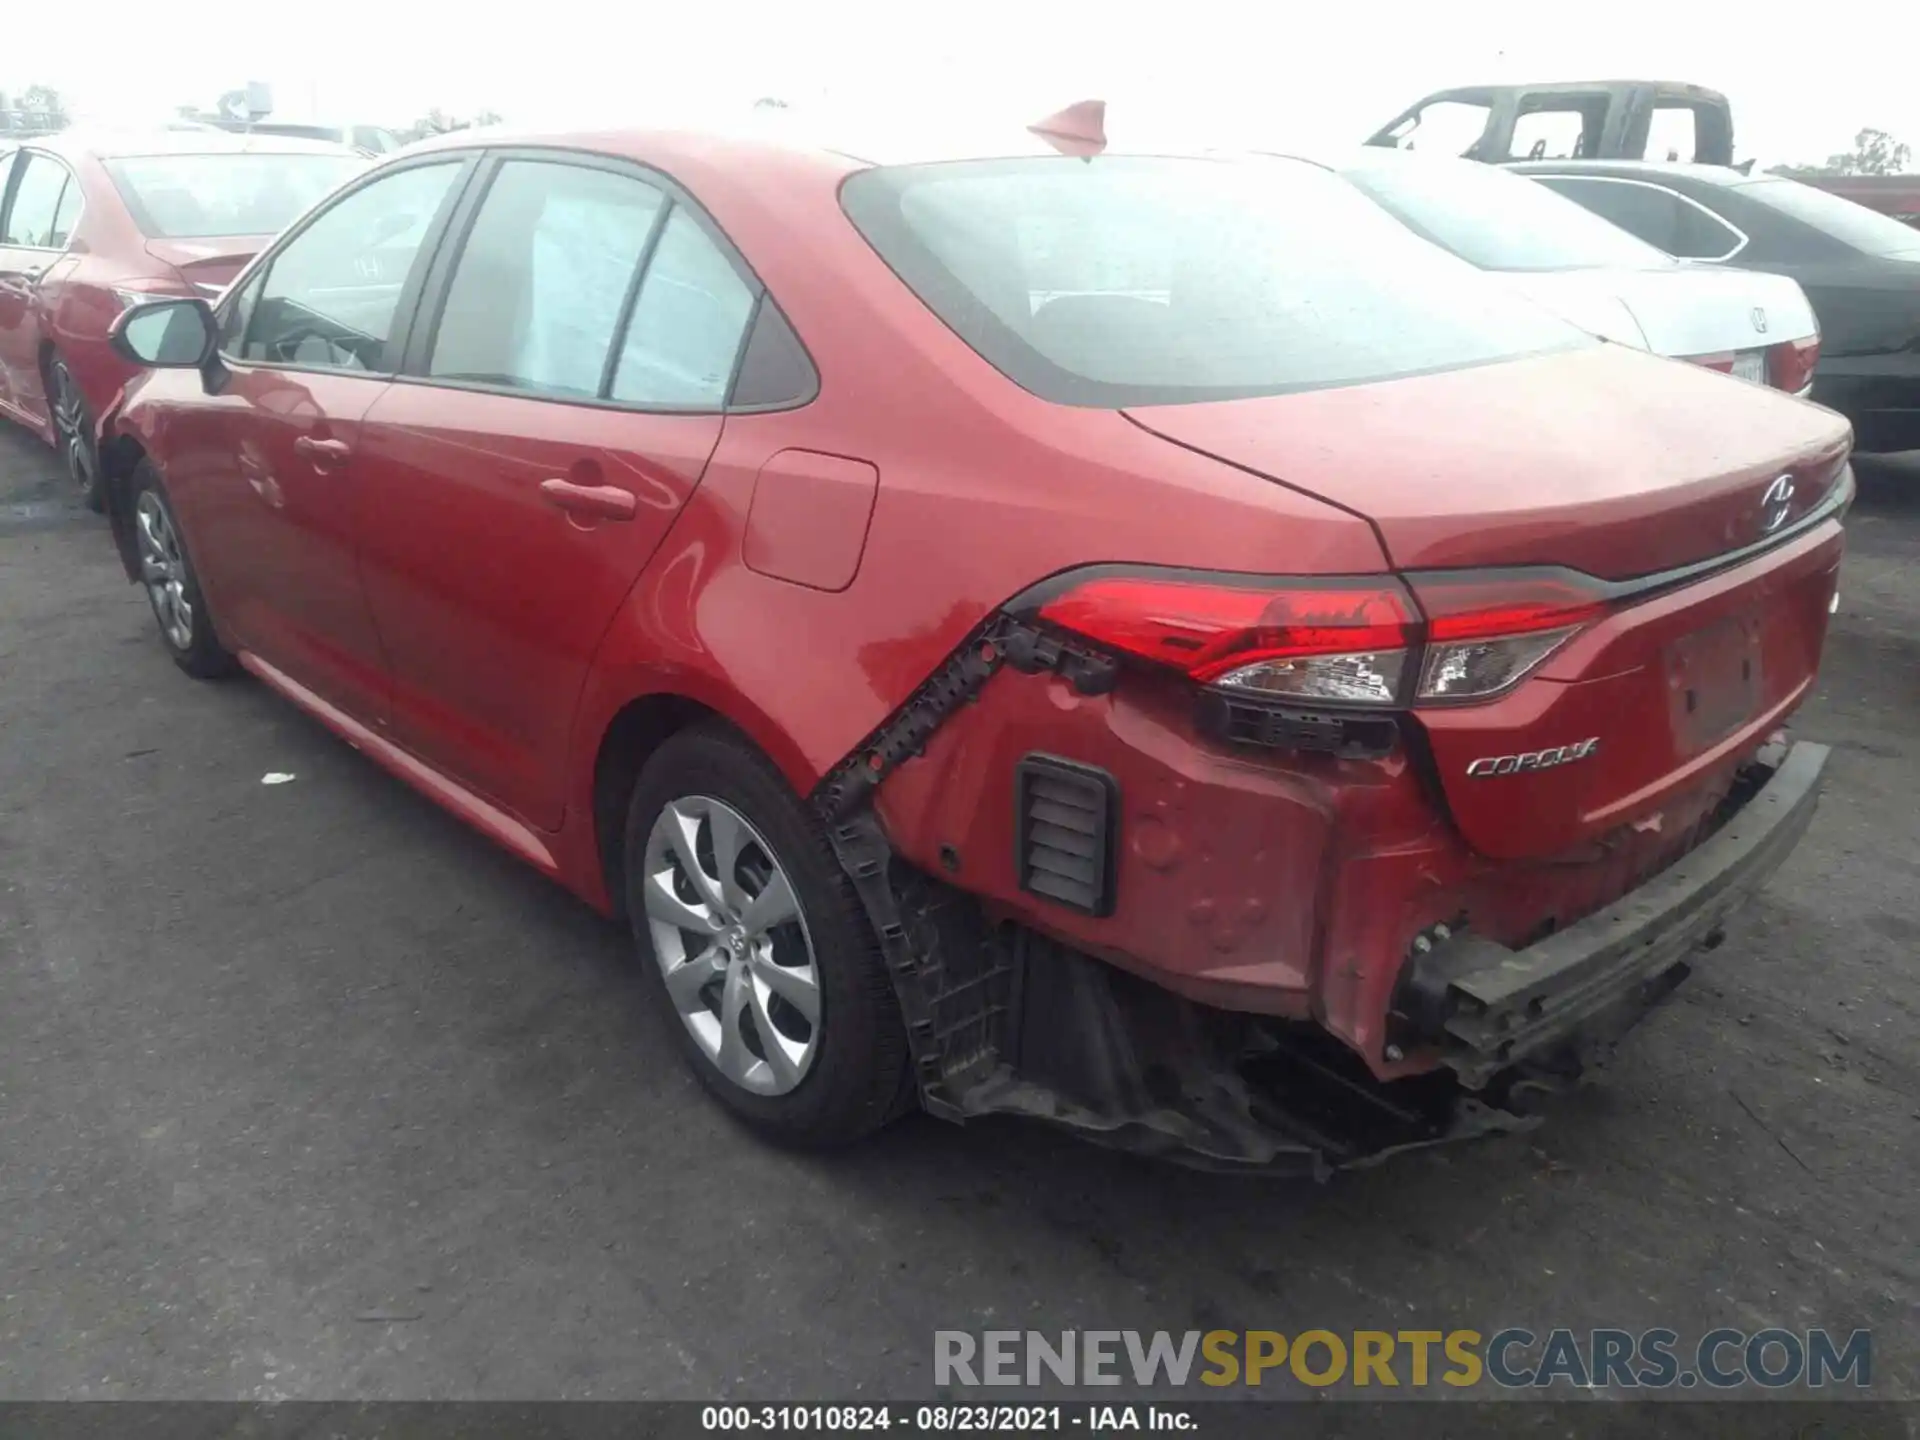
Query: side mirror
pixel 165 334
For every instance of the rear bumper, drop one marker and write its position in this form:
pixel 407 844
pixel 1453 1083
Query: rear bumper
pixel 1489 1008
pixel 1879 395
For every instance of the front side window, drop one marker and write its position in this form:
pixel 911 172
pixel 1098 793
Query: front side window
pixel 239 314
pixel 331 293
pixel 543 279
pixel 1145 281
pixel 1497 220
pixel 688 322
pixel 33 220
pixel 184 197
pixel 1443 127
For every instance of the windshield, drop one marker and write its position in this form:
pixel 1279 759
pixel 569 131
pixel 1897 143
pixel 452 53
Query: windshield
pixel 1137 281
pixel 1499 221
pixel 1855 226
pixel 183 197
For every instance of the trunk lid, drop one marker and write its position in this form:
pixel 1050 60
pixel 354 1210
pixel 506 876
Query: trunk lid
pixel 209 264
pixel 1604 460
pixel 1687 310
pixel 1621 466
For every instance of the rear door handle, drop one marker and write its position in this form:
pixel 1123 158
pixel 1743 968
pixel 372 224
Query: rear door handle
pixel 322 452
pixel 609 502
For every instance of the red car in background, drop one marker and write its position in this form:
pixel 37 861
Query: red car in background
pixel 91 225
pixel 1135 640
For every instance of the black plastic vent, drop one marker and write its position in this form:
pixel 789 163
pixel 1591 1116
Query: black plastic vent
pixel 1335 732
pixel 1064 819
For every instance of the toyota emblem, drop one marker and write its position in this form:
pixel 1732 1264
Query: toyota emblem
pixel 1760 324
pixel 1776 505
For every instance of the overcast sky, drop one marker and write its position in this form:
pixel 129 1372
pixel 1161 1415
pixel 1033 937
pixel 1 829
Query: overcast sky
pixel 1802 79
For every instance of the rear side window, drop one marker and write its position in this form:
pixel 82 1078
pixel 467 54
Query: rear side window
pixel 543 279
pixel 1661 217
pixel 1561 132
pixel 1140 281
pixel 68 214
pixel 34 218
pixel 688 322
pixel 1855 226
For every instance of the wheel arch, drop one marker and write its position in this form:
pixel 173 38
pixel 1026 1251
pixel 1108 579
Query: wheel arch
pixel 632 733
pixel 120 458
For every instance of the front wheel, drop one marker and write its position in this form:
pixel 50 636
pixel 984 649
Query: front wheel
pixel 763 960
pixel 73 433
pixel 172 586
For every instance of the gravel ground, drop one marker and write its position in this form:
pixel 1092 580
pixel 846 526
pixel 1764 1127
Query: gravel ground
pixel 306 1091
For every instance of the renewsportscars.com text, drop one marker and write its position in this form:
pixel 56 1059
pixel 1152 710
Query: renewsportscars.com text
pixel 1513 1358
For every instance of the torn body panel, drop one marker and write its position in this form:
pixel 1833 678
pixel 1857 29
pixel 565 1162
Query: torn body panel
pixel 1262 991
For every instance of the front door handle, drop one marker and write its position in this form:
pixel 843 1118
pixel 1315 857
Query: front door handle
pixel 608 502
pixel 322 453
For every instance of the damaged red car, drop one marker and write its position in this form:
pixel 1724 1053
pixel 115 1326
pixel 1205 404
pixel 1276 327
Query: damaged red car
pixel 1137 641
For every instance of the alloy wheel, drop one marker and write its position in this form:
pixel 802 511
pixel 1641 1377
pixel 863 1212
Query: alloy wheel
pixel 70 423
pixel 732 945
pixel 163 569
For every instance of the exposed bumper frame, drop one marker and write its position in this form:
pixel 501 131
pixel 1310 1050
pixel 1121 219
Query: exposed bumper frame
pixel 1490 1007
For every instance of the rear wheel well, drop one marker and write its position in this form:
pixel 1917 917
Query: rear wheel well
pixel 636 732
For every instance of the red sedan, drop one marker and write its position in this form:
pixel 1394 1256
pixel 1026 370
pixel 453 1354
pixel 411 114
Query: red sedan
pixel 1134 640
pixel 92 224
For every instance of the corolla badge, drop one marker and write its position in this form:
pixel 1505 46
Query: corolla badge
pixel 1759 319
pixel 1530 760
pixel 1776 505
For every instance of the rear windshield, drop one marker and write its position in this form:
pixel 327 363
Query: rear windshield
pixel 1855 226
pixel 182 197
pixel 1499 221
pixel 1147 281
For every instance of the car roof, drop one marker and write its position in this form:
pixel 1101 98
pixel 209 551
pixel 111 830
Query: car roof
pixel 115 144
pixel 801 140
pixel 1486 92
pixel 1648 169
pixel 1387 157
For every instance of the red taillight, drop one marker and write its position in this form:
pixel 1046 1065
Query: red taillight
pixel 1790 364
pixel 1488 632
pixel 1723 362
pixel 1341 639
pixel 1469 606
pixel 1208 627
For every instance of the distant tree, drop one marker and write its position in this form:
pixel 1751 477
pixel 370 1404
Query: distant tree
pixel 438 122
pixel 488 117
pixel 44 105
pixel 1874 152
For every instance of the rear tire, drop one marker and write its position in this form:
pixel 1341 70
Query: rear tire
pixel 172 585
pixel 73 434
pixel 730 950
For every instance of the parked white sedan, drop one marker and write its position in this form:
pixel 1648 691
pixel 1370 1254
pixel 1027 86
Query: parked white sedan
pixel 1594 274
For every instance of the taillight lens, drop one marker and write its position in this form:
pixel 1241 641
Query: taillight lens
pixel 1454 638
pixel 129 296
pixel 1723 362
pixel 1485 633
pixel 1310 640
pixel 1790 365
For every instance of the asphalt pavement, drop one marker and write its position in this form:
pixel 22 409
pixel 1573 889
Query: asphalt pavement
pixel 307 1091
